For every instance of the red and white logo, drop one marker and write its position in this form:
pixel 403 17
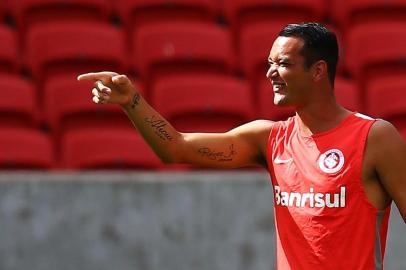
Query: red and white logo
pixel 331 161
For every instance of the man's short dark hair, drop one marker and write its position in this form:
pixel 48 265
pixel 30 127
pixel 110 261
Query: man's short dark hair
pixel 319 44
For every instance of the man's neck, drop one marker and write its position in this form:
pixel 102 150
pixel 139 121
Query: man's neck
pixel 320 117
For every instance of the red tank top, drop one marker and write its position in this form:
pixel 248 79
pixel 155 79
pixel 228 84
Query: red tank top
pixel 322 215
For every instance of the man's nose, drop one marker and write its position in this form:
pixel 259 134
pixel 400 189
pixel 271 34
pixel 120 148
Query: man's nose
pixel 272 68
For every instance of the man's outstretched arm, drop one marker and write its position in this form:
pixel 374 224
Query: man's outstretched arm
pixel 242 146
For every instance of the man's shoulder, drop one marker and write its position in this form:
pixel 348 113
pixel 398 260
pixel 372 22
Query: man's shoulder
pixel 382 130
pixel 384 136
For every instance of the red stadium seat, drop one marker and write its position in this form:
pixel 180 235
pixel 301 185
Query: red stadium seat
pixel 347 94
pixel 167 48
pixel 31 12
pixel 9 56
pixel 69 106
pixel 25 149
pixel 135 13
pixel 241 13
pixel 2 10
pixel 18 106
pixel 353 12
pixel 107 149
pixel 267 109
pixel 203 103
pixel 375 49
pixel 74 48
pixel 386 98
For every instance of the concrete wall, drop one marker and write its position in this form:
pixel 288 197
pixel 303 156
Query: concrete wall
pixel 145 221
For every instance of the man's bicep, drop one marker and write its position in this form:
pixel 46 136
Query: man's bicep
pixel 391 164
pixel 236 148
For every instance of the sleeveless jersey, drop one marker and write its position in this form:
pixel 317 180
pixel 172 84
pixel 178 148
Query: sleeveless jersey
pixel 322 215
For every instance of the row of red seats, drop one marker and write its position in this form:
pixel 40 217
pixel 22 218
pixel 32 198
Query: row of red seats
pixel 175 97
pixel 86 149
pixel 236 12
pixel 86 135
pixel 76 47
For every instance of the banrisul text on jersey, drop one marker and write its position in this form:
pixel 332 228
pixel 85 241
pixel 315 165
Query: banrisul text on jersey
pixel 310 199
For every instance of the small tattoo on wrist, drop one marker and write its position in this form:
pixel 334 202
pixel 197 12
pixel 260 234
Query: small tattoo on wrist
pixel 135 100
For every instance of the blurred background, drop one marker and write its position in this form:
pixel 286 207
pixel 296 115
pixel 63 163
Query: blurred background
pixel 66 202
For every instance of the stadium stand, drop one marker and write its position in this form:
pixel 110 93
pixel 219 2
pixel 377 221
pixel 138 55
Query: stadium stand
pixel 375 49
pixel 241 13
pixel 134 13
pixel 29 13
pixel 386 98
pixel 74 47
pixel 353 12
pixel 9 55
pixel 2 11
pixel 167 48
pixel 23 148
pixel 107 149
pixel 18 103
pixel 210 103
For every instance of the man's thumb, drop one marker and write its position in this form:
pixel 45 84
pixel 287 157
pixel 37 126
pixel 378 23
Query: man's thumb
pixel 120 80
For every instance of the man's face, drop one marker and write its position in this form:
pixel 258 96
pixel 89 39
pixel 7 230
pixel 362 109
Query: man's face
pixel 287 72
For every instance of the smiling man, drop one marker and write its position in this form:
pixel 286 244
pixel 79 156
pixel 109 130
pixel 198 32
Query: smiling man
pixel 334 172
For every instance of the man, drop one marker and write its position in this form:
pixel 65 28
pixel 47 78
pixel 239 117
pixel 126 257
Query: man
pixel 334 172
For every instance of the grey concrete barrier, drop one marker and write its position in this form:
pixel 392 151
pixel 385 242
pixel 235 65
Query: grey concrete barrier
pixel 145 221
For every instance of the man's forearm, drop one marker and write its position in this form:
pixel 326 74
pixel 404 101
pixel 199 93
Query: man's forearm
pixel 156 130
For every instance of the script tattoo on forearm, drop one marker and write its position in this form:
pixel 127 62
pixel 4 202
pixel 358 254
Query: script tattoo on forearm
pixel 218 156
pixel 135 100
pixel 159 126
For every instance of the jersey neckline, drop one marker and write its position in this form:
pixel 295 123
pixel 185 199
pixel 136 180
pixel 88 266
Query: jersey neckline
pixel 323 133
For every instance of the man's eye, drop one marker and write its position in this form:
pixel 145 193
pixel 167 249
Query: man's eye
pixel 281 64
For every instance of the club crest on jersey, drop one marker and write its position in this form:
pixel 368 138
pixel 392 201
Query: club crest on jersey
pixel 331 161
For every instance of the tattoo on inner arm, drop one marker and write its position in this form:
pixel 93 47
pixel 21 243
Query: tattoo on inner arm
pixel 136 100
pixel 159 126
pixel 218 156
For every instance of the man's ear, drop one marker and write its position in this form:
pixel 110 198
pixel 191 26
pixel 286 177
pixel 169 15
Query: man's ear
pixel 319 70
